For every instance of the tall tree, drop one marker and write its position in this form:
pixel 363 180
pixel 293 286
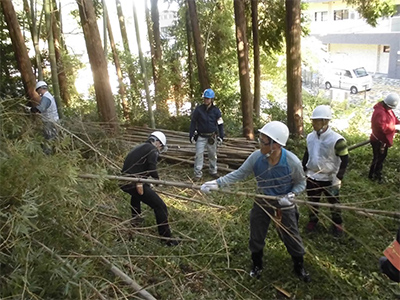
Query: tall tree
pixel 48 8
pixel 98 63
pixel 31 16
pixel 59 51
pixel 143 68
pixel 198 45
pixel 121 84
pixel 190 57
pixel 256 50
pixel 125 42
pixel 293 68
pixel 20 50
pixel 159 82
pixel 244 76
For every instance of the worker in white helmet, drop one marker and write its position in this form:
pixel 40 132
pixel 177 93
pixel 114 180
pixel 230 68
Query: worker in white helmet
pixel 279 174
pixel 141 162
pixel 383 124
pixel 325 161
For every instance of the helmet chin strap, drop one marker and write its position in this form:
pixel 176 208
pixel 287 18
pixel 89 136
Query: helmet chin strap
pixel 271 151
pixel 323 129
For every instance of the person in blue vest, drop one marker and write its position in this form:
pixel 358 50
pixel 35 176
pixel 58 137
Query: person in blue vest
pixel 279 174
pixel 325 161
pixel 207 131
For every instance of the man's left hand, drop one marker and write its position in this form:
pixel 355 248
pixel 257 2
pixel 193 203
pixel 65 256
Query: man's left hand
pixel 286 200
pixel 219 141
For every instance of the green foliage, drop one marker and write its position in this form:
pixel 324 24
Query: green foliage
pixel 373 10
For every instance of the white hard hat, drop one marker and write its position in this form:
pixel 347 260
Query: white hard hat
pixel 40 84
pixel 160 136
pixel 277 131
pixel 392 100
pixel 322 112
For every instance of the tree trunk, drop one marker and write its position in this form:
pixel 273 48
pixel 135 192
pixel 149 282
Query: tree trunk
pixel 190 59
pixel 131 70
pixel 256 47
pixel 143 67
pixel 121 87
pixel 293 69
pixel 198 45
pixel 30 13
pixel 244 76
pixel 159 81
pixel 58 48
pixel 98 63
pixel 48 8
pixel 20 51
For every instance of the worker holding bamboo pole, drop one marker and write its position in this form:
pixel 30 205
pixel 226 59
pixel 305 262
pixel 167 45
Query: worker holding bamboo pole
pixel 325 161
pixel 207 131
pixel 142 162
pixel 279 173
pixel 383 124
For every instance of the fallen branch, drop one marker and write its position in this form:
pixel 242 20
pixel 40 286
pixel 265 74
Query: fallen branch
pixel 250 195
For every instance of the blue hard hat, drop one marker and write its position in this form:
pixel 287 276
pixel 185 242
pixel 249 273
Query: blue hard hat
pixel 209 93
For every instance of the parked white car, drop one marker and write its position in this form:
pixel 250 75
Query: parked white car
pixel 353 79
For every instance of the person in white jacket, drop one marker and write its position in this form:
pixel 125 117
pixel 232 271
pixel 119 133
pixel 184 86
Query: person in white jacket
pixel 325 161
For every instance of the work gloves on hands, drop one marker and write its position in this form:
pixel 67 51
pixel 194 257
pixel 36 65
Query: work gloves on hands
pixel 191 139
pixel 286 200
pixel 219 141
pixel 209 186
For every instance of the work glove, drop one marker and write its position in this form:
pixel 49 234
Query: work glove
pixel 27 109
pixel 209 186
pixel 286 200
pixel 191 139
pixel 336 183
pixel 219 141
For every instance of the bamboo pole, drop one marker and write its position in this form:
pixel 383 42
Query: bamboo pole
pixel 250 195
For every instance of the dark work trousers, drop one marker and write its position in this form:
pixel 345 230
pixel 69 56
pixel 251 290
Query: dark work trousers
pixel 380 153
pixel 152 199
pixel 315 189
pixel 290 236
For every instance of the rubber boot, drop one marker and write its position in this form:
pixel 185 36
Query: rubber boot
pixel 298 266
pixel 257 264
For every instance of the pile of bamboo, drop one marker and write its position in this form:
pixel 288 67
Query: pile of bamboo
pixel 231 154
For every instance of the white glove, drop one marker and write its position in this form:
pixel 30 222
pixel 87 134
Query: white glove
pixel 219 141
pixel 209 186
pixel 286 200
pixel 336 183
pixel 27 109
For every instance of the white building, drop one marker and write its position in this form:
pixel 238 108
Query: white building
pixel 349 39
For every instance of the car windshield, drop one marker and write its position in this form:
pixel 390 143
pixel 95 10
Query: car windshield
pixel 360 72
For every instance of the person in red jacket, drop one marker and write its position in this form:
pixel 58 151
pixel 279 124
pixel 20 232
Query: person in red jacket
pixel 383 124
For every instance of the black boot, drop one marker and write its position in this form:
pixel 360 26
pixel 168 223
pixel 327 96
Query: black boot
pixel 257 264
pixel 298 265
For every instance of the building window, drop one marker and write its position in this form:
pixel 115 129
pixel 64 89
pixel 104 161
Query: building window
pixel 321 16
pixel 386 49
pixel 342 14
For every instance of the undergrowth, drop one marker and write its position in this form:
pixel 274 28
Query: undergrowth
pixel 59 232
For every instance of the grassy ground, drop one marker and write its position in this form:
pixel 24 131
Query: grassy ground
pixel 56 229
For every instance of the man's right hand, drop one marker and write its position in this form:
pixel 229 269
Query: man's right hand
pixel 139 188
pixel 209 186
pixel 191 139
